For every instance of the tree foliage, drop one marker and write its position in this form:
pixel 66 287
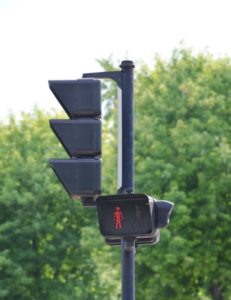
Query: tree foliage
pixel 183 147
pixel 50 246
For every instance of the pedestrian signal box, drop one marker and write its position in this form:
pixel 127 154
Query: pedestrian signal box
pixel 125 215
pixel 132 215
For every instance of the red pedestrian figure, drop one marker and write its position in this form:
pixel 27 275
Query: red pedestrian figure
pixel 118 217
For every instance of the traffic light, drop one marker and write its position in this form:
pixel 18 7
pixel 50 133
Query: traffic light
pixel 80 136
pixel 125 215
pixel 132 215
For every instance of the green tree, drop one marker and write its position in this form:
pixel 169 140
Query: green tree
pixel 49 244
pixel 183 147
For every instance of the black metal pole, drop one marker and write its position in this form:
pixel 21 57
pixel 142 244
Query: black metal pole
pixel 127 245
pixel 124 80
pixel 127 67
pixel 128 269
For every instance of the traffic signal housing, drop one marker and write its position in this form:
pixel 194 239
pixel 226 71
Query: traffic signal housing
pixel 125 215
pixel 80 136
pixel 132 215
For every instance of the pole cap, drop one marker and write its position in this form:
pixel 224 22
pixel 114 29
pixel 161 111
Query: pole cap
pixel 127 64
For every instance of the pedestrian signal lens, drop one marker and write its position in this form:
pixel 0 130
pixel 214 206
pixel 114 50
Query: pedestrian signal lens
pixel 125 215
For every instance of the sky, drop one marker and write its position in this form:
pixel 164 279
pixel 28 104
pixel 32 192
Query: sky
pixel 42 40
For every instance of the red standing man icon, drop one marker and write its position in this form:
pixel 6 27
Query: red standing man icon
pixel 118 217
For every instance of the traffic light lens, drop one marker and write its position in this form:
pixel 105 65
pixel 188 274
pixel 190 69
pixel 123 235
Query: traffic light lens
pixel 124 217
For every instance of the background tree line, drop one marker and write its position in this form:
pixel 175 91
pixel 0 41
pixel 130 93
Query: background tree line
pixel 50 246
